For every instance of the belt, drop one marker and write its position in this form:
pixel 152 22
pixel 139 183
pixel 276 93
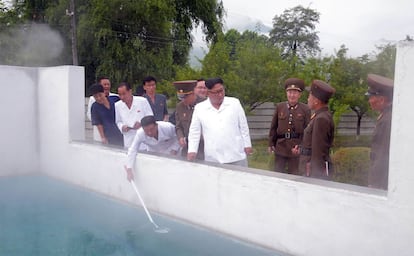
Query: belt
pixel 305 151
pixel 289 135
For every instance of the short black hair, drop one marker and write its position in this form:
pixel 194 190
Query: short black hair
pixel 128 86
pixel 148 79
pixel 147 120
pixel 140 90
pixel 102 78
pixel 96 88
pixel 211 82
pixel 200 79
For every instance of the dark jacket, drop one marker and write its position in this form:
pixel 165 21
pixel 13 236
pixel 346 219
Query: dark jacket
pixel 317 141
pixel 380 150
pixel 183 115
pixel 285 131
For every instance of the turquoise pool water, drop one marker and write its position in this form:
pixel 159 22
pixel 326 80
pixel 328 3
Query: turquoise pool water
pixel 43 216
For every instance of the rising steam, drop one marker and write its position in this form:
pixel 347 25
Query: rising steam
pixel 30 45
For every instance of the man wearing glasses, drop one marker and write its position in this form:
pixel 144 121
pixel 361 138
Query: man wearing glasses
pixel 222 122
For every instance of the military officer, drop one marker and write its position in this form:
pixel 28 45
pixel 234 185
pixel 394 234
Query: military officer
pixel 184 112
pixel 318 135
pixel 286 130
pixel 380 95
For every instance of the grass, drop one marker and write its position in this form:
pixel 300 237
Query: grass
pixel 261 159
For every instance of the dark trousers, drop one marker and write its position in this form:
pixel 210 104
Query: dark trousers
pixel 318 173
pixel 287 164
pixel 200 153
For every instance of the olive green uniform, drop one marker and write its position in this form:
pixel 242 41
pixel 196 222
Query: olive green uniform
pixel 317 141
pixel 285 132
pixel 183 115
pixel 380 150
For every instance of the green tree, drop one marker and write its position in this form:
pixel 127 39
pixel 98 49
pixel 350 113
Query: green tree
pixel 294 31
pixel 250 66
pixel 384 61
pixel 24 39
pixel 189 13
pixel 34 10
pixel 348 76
pixel 10 19
pixel 125 40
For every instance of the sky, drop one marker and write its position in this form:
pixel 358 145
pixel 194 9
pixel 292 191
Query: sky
pixel 359 24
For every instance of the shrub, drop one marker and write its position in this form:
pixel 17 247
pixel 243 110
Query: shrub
pixel 351 165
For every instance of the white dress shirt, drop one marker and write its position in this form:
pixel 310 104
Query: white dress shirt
pixel 129 116
pixel 96 135
pixel 225 131
pixel 167 141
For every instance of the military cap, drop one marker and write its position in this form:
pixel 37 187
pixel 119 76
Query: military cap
pixel 211 82
pixel 321 90
pixel 185 87
pixel 379 85
pixel 147 120
pixel 96 88
pixel 294 84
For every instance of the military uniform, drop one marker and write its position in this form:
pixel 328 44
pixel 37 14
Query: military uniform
pixel 380 147
pixel 318 137
pixel 286 129
pixel 317 140
pixel 183 115
pixel 380 150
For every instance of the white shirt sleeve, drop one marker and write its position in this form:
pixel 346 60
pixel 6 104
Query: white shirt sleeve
pixel 243 125
pixel 88 112
pixel 147 108
pixel 133 149
pixel 171 130
pixel 118 117
pixel 194 132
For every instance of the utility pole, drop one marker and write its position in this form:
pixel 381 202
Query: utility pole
pixel 71 13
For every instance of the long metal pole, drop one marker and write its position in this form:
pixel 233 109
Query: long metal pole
pixel 74 38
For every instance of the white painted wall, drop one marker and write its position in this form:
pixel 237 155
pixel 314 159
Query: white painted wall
pixel 297 215
pixel 19 125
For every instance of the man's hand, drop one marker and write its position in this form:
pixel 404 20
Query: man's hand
pixel 137 125
pixel 271 149
pixel 296 150
pixel 104 140
pixel 182 142
pixel 308 169
pixel 130 174
pixel 125 128
pixel 248 150
pixel 191 156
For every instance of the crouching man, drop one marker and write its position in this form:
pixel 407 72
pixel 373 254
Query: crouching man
pixel 158 136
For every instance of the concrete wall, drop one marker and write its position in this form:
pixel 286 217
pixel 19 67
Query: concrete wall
pixel 298 215
pixel 19 128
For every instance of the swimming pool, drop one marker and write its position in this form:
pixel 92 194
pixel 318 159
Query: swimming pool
pixel 43 216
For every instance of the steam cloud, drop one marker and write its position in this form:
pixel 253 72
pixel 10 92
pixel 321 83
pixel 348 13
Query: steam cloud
pixel 30 45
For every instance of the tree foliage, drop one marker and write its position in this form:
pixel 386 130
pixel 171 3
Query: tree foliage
pixel 384 60
pixel 250 66
pixel 127 40
pixel 294 31
pixel 348 76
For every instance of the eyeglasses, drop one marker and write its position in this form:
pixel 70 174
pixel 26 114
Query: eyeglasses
pixel 216 92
